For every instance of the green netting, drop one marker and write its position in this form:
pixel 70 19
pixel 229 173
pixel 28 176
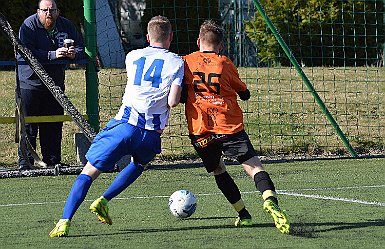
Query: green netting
pixel 339 45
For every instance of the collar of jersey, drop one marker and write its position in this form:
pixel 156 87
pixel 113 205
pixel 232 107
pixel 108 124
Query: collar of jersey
pixel 157 47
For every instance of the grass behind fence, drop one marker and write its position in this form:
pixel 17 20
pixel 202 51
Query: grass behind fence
pixel 281 117
pixel 75 90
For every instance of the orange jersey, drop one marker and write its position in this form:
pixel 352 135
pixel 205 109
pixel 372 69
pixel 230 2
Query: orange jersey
pixel 212 83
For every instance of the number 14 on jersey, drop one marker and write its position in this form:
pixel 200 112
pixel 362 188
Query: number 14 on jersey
pixel 153 73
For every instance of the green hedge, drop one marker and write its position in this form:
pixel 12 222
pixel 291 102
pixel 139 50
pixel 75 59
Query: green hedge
pixel 321 32
pixel 185 17
pixel 17 10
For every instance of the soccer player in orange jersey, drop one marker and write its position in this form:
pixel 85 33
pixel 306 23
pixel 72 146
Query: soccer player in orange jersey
pixel 215 123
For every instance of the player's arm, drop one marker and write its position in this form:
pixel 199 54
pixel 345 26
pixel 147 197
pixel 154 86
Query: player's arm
pixel 183 97
pixel 238 85
pixel 174 95
pixel 176 87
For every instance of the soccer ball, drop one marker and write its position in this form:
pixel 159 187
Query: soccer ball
pixel 182 203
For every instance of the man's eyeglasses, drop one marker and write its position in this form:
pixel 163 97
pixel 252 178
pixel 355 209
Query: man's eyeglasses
pixel 51 11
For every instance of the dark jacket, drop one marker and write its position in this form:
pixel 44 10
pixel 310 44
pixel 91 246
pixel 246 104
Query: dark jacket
pixel 34 36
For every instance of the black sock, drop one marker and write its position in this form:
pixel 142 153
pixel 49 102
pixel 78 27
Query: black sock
pixel 265 185
pixel 273 199
pixel 228 187
pixel 244 214
pixel 230 190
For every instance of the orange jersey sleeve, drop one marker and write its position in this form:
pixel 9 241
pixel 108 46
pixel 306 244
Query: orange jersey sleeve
pixel 212 83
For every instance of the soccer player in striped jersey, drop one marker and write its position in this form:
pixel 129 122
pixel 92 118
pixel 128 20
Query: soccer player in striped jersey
pixel 154 85
pixel 215 123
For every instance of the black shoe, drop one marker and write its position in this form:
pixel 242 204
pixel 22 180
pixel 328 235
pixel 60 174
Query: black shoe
pixel 24 167
pixel 51 166
pixel 64 165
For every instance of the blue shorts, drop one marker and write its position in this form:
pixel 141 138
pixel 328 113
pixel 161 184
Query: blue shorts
pixel 120 138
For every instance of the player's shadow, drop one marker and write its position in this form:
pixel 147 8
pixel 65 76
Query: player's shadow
pixel 210 218
pixel 344 226
pixel 299 229
pixel 172 229
pixel 168 229
pixel 313 229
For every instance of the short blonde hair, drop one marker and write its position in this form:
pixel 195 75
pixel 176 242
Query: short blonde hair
pixel 211 33
pixel 159 28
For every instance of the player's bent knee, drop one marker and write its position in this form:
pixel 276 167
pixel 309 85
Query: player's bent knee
pixel 252 169
pixel 253 162
pixel 91 171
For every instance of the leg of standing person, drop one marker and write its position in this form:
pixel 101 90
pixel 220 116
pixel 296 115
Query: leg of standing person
pixel 30 104
pixel 50 133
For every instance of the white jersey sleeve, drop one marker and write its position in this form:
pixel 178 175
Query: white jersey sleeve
pixel 150 73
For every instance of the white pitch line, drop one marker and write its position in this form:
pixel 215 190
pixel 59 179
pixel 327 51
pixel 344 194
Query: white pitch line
pixel 376 203
pixel 30 203
pixel 336 188
pixel 283 192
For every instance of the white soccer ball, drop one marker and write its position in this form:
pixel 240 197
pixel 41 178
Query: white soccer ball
pixel 182 203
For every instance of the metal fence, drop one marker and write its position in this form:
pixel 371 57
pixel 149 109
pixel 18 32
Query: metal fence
pixel 339 50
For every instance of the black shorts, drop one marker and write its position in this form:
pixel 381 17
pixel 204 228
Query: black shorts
pixel 211 147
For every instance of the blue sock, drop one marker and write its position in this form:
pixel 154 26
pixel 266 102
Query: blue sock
pixel 76 196
pixel 127 176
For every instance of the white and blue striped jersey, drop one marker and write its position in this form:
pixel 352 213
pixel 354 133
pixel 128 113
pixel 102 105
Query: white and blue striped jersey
pixel 150 73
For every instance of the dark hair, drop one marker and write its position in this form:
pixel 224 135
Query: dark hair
pixel 211 32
